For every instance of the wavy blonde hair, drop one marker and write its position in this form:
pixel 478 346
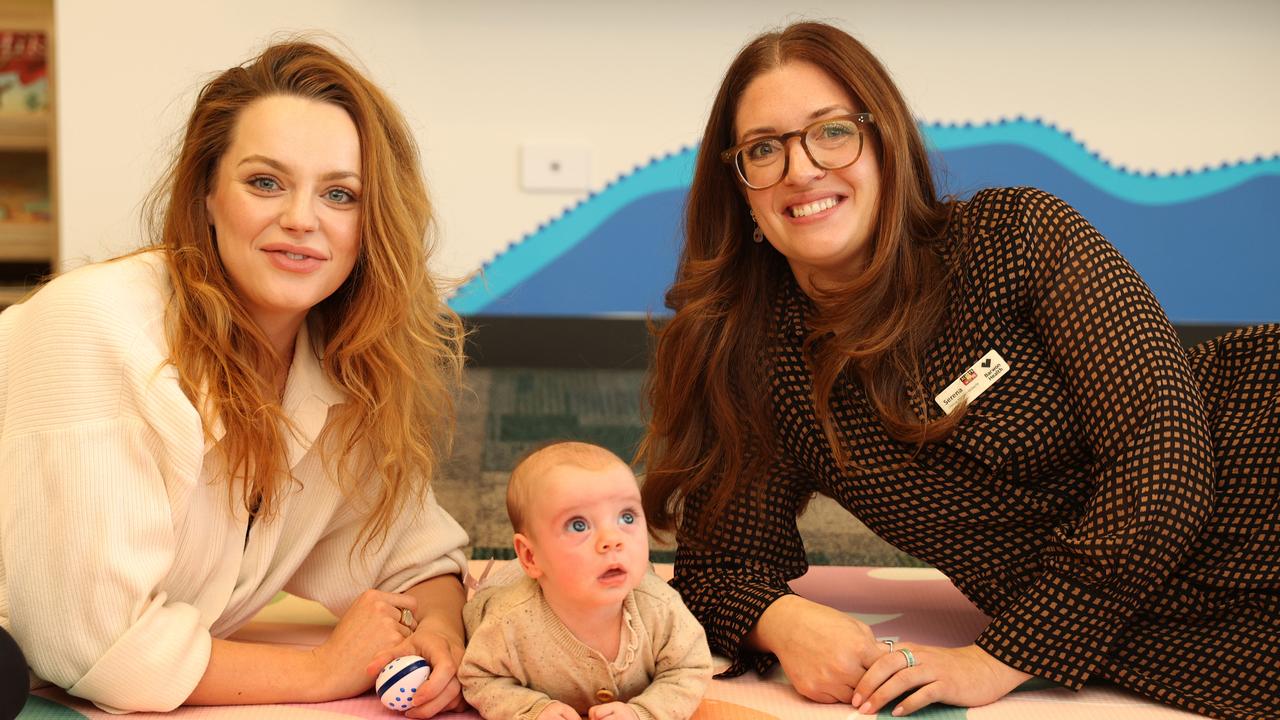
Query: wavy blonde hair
pixel 385 337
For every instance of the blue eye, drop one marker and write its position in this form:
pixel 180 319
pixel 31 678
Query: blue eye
pixel 340 195
pixel 837 129
pixel 763 150
pixel 576 525
pixel 831 135
pixel 627 518
pixel 264 183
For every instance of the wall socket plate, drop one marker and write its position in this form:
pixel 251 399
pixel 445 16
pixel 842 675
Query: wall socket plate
pixel 555 167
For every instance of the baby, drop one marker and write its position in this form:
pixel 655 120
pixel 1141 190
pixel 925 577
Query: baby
pixel 590 630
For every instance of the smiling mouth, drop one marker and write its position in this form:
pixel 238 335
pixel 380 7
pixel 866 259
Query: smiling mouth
pixel 293 261
pixel 814 207
pixel 293 252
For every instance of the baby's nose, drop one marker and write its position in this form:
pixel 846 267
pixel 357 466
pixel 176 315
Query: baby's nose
pixel 609 541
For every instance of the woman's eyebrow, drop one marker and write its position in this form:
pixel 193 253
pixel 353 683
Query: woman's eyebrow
pixel 281 167
pixel 770 130
pixel 265 161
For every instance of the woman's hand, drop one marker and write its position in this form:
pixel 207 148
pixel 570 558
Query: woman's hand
pixel 823 651
pixel 966 676
pixel 437 635
pixel 443 652
pixel 371 624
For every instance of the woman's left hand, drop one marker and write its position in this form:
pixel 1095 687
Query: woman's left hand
pixel 442 650
pixel 966 676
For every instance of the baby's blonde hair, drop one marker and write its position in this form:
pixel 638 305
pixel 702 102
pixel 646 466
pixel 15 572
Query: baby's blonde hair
pixel 535 464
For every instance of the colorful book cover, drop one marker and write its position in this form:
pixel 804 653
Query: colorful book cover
pixel 24 75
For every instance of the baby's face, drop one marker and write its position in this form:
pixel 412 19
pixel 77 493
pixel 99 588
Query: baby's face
pixel 589 545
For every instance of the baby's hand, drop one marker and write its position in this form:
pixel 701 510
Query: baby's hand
pixel 558 711
pixel 613 711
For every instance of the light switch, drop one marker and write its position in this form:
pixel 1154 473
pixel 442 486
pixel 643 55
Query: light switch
pixel 555 167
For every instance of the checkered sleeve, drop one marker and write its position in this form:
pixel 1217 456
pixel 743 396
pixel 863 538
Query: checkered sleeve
pixel 1132 393
pixel 729 577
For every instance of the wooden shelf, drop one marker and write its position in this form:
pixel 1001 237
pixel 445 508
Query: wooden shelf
pixel 24 132
pixel 10 294
pixel 29 141
pixel 26 241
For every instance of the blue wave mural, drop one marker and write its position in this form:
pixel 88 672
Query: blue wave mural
pixel 1205 240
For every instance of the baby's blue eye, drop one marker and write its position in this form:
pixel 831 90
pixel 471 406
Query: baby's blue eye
pixel 576 525
pixel 627 518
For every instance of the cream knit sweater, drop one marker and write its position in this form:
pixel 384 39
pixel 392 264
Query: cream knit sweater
pixel 120 556
pixel 520 656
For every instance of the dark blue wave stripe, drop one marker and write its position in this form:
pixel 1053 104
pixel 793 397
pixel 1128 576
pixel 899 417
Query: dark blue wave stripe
pixel 1147 188
pixel 1208 260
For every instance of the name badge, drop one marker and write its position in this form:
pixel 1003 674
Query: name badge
pixel 973 382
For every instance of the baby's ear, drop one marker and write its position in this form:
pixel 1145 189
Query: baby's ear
pixel 524 553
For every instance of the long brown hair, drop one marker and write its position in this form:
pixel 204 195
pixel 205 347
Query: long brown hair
pixel 385 336
pixel 711 422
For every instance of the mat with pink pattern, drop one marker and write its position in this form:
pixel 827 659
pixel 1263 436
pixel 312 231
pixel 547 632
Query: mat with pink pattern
pixel 910 604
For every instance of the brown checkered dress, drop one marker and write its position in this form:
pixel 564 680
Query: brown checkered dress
pixel 1113 502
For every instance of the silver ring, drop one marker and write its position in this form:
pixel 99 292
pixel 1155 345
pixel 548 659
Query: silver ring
pixel 406 618
pixel 911 659
pixel 889 643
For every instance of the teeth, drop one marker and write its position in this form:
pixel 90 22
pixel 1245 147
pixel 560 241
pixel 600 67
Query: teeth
pixel 295 256
pixel 816 206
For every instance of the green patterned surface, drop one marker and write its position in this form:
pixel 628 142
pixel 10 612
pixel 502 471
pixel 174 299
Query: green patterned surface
pixel 37 708
pixel 528 407
pixel 508 411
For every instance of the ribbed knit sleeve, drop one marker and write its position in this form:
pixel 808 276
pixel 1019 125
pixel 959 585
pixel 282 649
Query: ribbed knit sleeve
pixel 423 543
pixel 96 443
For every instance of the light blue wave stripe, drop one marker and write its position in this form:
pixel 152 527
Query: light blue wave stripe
pixel 1144 189
pixel 559 235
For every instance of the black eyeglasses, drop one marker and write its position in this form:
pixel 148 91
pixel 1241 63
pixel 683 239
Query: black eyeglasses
pixel 831 144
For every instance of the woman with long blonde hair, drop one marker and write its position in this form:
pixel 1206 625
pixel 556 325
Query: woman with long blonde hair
pixel 255 403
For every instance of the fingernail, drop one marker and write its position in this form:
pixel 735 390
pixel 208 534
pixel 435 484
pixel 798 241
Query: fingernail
pixel 857 699
pixel 897 712
pixel 866 708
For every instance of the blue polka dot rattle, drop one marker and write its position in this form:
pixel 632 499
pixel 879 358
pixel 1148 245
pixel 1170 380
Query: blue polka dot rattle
pixel 399 681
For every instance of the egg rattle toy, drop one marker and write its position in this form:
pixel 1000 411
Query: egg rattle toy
pixel 399 681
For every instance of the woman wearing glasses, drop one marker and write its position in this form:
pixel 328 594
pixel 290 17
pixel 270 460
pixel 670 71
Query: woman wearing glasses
pixel 256 403
pixel 986 384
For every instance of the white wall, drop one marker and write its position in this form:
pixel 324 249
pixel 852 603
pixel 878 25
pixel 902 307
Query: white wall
pixel 1152 85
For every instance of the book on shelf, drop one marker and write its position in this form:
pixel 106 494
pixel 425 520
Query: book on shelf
pixel 24 188
pixel 24 72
